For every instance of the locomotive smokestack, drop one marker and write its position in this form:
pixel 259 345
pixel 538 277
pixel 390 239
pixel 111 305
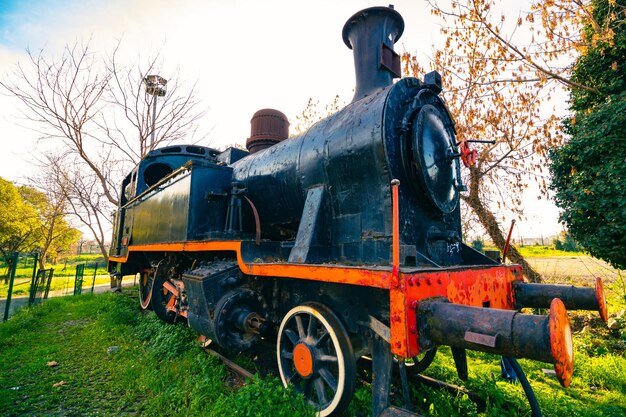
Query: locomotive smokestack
pixel 371 34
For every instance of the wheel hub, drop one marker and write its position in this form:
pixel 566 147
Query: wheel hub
pixel 303 360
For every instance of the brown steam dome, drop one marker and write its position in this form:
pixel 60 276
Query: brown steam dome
pixel 267 128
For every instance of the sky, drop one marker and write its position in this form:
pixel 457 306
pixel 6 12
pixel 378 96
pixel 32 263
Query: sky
pixel 245 55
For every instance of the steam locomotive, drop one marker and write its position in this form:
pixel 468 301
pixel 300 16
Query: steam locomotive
pixel 342 242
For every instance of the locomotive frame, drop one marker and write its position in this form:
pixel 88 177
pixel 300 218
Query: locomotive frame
pixel 342 242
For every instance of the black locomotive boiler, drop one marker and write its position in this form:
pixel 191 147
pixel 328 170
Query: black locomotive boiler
pixel 342 242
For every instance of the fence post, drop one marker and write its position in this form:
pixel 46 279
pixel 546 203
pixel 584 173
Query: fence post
pixel 34 279
pixel 34 283
pixel 12 268
pixel 95 270
pixel 78 279
pixel 50 274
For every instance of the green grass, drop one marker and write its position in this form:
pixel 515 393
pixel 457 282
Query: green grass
pixel 598 387
pixel 160 370
pixel 532 251
pixel 540 251
pixel 155 369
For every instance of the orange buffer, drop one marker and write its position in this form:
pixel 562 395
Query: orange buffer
pixel 574 298
pixel 502 332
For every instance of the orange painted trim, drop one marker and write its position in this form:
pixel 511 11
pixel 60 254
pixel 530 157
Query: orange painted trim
pixel 395 233
pixel 324 273
pixel 193 246
pixel 397 296
pixel 303 359
pixel 379 278
pixel 561 342
pixel 399 339
pixel 601 299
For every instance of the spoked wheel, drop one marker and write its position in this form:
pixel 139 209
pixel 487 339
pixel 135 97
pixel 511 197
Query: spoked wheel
pixel 316 357
pixel 163 294
pixel 146 280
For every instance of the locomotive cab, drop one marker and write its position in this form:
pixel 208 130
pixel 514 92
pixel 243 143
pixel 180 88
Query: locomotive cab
pixel 161 169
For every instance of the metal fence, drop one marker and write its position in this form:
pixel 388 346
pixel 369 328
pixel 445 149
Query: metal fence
pixel 11 262
pixel 40 281
pixel 78 279
pixel 40 286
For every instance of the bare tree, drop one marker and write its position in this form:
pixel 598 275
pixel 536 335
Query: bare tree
pixel 314 112
pixel 176 116
pixel 97 110
pixel 54 233
pixel 80 189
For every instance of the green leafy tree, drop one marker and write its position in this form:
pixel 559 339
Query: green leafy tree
pixel 589 171
pixel 602 64
pixel 18 220
pixel 477 244
pixel 589 180
pixel 33 220
pixel 558 245
pixel 53 233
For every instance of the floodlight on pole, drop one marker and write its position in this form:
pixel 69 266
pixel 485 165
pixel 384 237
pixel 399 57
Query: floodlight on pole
pixel 155 86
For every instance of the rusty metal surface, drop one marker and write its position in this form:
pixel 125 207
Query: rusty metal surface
pixel 267 128
pixel 232 365
pixel 484 287
pixel 480 339
pixel 561 345
pixel 574 298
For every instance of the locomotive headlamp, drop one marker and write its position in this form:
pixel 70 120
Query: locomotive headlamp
pixel 155 85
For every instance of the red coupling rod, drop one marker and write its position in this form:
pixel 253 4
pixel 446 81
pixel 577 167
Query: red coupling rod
pixel 508 240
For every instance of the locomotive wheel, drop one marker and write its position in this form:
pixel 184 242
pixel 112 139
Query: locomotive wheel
pixel 161 296
pixel 316 357
pixel 146 280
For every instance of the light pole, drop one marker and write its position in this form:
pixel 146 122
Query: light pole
pixel 155 86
